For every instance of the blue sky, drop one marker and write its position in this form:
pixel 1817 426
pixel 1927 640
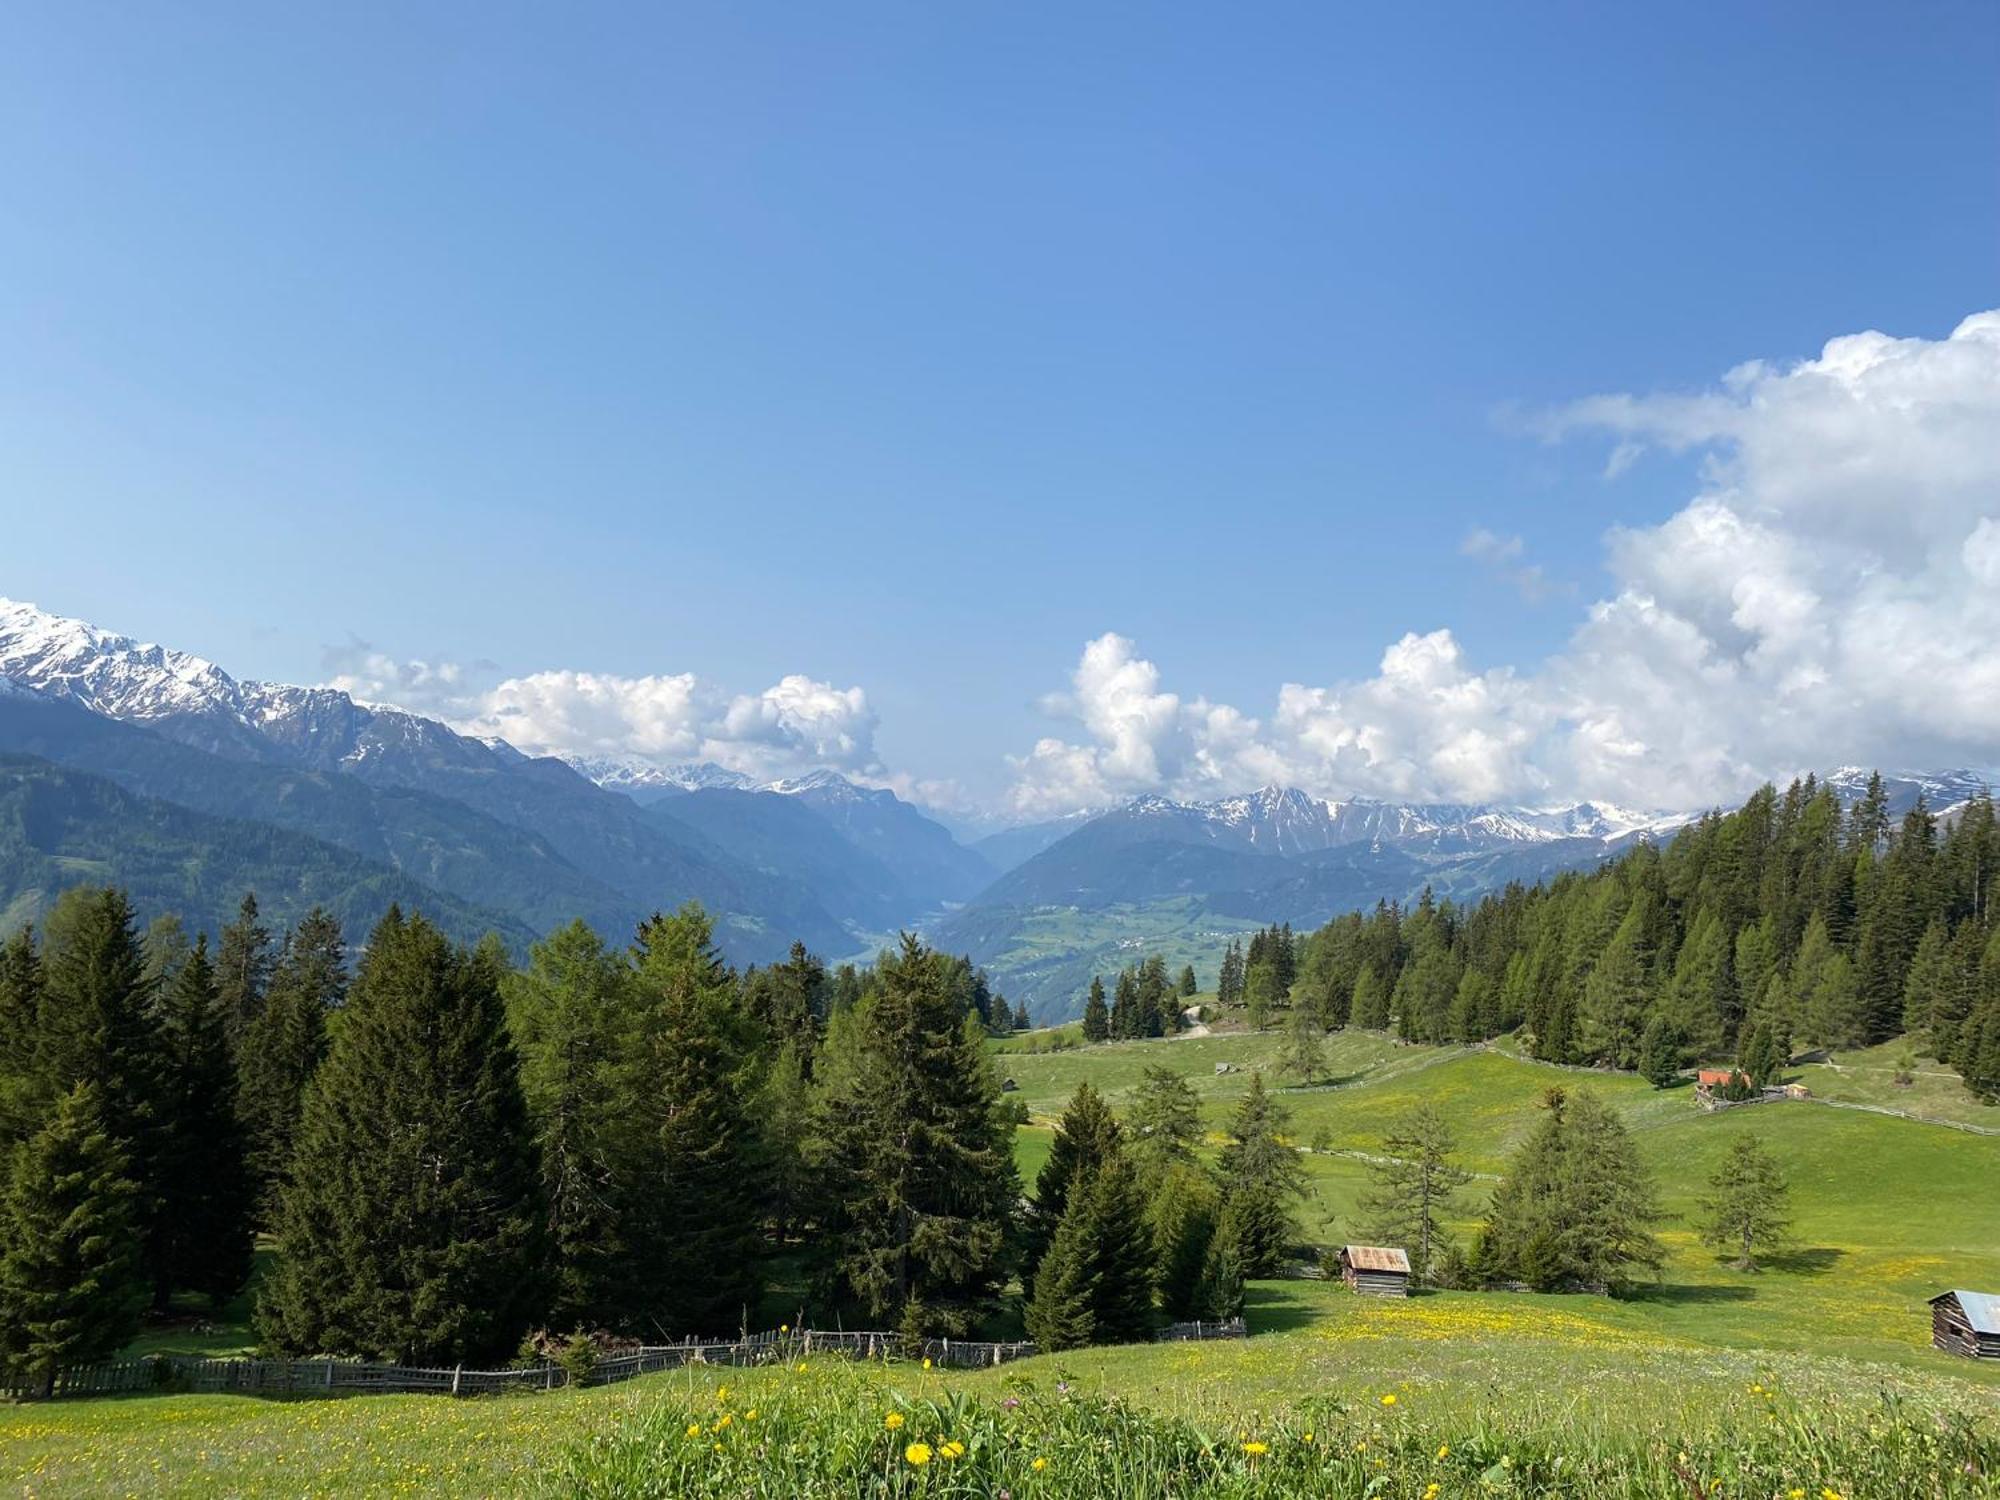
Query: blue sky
pixel 911 347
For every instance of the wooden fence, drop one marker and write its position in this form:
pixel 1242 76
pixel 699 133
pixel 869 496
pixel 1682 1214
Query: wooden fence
pixel 322 1377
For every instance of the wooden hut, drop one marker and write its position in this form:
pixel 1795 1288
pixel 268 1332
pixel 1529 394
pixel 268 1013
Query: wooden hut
pixel 1375 1270
pixel 1966 1323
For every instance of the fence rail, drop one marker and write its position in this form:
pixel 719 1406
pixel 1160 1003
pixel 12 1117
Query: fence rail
pixel 309 1377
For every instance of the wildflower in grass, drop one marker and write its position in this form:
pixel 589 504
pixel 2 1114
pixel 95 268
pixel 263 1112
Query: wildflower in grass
pixel 1390 1399
pixel 1827 1492
pixel 1255 1449
pixel 750 1415
pixel 893 1420
pixel 726 1420
pixel 1431 1490
pixel 694 1429
pixel 927 1361
pixel 1307 1439
pixel 802 1367
pixel 1444 1451
pixel 1039 1464
pixel 953 1449
pixel 917 1454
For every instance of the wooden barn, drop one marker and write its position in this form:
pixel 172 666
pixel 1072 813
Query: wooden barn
pixel 1966 1323
pixel 1375 1270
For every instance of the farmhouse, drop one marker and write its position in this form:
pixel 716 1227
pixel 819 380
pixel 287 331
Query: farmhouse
pixel 1713 1078
pixel 1966 1323
pixel 1375 1270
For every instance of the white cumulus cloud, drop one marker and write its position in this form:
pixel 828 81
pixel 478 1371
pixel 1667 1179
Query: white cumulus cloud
pixel 1830 594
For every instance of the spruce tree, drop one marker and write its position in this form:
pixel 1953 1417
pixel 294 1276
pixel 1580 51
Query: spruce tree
pixel 1059 1313
pixel 96 1026
pixel 1746 1208
pixel 1370 1010
pixel 917 1142
pixel 20 1026
pixel 1096 1016
pixel 410 1226
pixel 243 966
pixel 1261 1179
pixel 202 1239
pixel 1219 1293
pixel 1411 1187
pixel 689 1184
pixel 71 1284
pixel 570 1015
pixel 1125 1007
pixel 283 1046
pixel 1660 1053
pixel 1095 1284
pixel 1086 1137
pixel 1188 986
pixel 1183 1209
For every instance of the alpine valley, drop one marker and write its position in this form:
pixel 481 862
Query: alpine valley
pixel 152 768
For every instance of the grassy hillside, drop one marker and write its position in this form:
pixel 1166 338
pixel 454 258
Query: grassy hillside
pixel 1889 1210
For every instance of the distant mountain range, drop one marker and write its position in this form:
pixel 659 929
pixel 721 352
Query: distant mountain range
pixel 132 762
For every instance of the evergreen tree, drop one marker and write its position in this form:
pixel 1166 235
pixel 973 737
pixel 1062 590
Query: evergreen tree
pixel 71 1285
pixel 283 1046
pixel 1229 983
pixel 1260 994
pixel 1096 1018
pixel 1086 1137
pixel 1660 1053
pixel 1022 1020
pixel 410 1227
pixel 1370 1010
pixel 689 1189
pixel 1095 1284
pixel 243 967
pixel 1219 1293
pixel 1261 1179
pixel 163 950
pixel 918 1146
pixel 96 1026
pixel 1184 1208
pixel 1615 995
pixel 1164 1124
pixel 570 1012
pixel 1746 1207
pixel 20 1027
pixel 1153 1010
pixel 1576 1206
pixel 1762 1059
pixel 1304 1052
pixel 1059 1313
pixel 202 1239
pixel 1412 1184
pixel 1188 986
pixel 1125 1007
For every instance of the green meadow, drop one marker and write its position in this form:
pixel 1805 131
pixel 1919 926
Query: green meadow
pixel 1813 1373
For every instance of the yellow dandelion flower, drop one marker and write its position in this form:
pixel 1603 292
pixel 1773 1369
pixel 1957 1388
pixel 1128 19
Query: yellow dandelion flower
pixel 750 1415
pixel 1308 1438
pixel 722 1394
pixel 917 1455
pixel 1039 1464
pixel 1390 1399
pixel 1795 1495
pixel 1431 1491
pixel 927 1361
pixel 1253 1449
pixel 802 1367
pixel 1444 1450
pixel 718 1447
pixel 893 1420
pixel 953 1449
pixel 1827 1492
pixel 694 1429
pixel 726 1420
pixel 784 1328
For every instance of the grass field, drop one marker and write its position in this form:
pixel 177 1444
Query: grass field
pixel 1888 1211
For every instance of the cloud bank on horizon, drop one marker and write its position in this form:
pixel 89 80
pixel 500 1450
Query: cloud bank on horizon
pixel 1830 594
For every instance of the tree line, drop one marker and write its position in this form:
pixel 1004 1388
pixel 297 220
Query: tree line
pixel 447 1151
pixel 1144 1003
pixel 1790 923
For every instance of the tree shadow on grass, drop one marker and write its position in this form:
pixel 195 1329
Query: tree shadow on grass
pixel 1279 1306
pixel 1813 1260
pixel 1691 1294
pixel 1325 1083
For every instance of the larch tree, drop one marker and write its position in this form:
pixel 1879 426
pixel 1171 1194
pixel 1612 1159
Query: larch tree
pixel 1411 1188
pixel 1746 1213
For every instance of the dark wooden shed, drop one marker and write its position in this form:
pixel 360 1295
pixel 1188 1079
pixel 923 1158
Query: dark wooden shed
pixel 1966 1323
pixel 1375 1270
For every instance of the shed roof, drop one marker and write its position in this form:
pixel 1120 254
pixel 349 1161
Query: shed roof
pixel 1376 1258
pixel 1714 1075
pixel 1981 1309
